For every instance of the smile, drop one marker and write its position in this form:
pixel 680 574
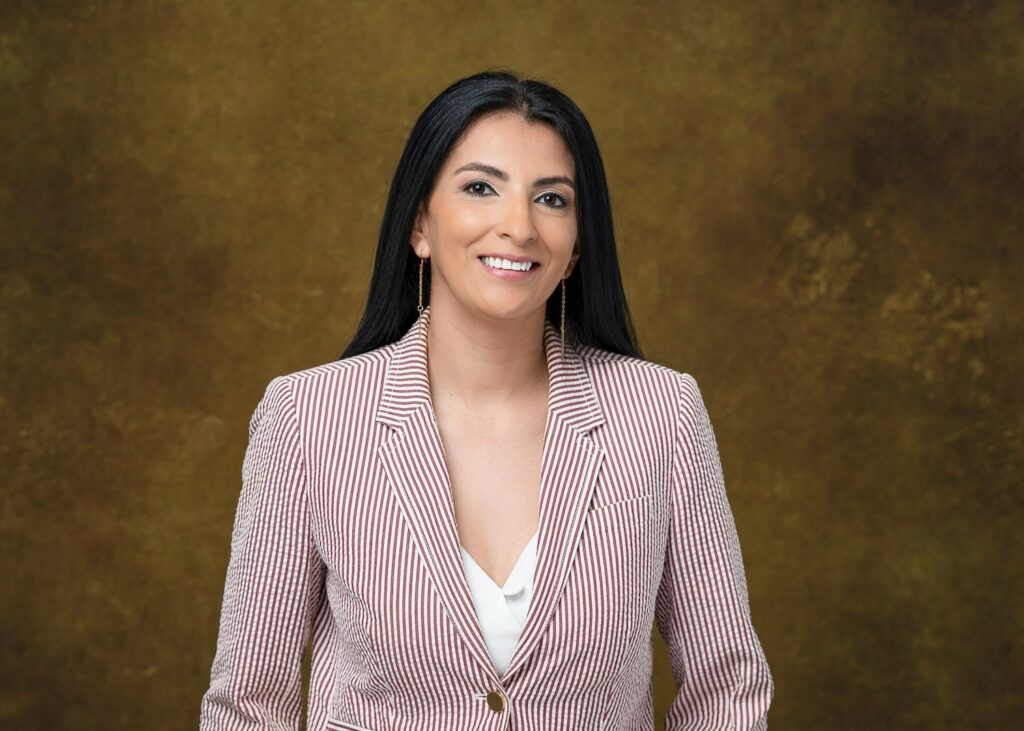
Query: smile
pixel 505 269
pixel 497 263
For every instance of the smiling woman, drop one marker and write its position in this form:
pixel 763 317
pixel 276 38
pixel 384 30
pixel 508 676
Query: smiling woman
pixel 476 516
pixel 504 209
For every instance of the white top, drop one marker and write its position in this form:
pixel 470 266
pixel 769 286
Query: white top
pixel 502 609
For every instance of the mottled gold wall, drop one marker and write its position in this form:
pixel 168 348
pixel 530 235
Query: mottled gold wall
pixel 819 208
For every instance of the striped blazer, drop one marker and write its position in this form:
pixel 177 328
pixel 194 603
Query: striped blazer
pixel 345 539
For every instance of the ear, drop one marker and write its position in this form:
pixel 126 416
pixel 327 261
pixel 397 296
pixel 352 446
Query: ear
pixel 418 239
pixel 572 260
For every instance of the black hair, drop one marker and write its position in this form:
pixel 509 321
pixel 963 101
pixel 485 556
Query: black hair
pixel 596 312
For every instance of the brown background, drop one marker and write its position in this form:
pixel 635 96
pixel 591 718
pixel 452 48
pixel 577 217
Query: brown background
pixel 819 212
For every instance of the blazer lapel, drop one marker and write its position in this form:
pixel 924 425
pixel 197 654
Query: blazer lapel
pixel 414 461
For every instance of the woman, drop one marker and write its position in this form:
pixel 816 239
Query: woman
pixel 484 538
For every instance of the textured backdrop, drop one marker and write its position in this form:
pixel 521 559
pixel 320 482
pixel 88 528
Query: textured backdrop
pixel 819 209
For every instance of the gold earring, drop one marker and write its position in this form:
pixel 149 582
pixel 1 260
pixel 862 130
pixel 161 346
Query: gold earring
pixel 419 305
pixel 563 317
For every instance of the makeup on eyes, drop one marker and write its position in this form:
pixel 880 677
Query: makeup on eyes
pixel 565 202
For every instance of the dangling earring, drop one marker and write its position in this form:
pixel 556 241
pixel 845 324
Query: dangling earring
pixel 419 305
pixel 563 317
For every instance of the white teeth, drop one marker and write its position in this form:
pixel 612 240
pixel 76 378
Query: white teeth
pixel 496 263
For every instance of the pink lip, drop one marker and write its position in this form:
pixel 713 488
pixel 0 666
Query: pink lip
pixel 509 275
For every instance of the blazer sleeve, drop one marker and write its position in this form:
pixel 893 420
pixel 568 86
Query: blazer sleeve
pixel 274 581
pixel 702 610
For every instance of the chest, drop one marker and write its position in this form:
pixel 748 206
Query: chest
pixel 495 472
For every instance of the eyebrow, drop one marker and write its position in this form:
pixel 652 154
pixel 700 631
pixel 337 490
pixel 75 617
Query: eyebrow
pixel 502 175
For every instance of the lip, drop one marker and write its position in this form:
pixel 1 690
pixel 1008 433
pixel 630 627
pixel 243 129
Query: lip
pixel 508 275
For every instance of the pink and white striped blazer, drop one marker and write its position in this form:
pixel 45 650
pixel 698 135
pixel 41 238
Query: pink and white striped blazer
pixel 345 533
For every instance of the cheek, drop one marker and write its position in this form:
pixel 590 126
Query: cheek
pixel 560 235
pixel 461 225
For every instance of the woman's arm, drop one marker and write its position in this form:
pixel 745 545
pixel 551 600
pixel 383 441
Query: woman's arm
pixel 274 581
pixel 703 611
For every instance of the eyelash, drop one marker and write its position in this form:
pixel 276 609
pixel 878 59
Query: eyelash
pixel 565 203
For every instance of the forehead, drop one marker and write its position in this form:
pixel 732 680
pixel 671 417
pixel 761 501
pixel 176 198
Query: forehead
pixel 507 141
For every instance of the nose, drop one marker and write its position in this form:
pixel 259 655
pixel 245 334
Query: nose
pixel 516 223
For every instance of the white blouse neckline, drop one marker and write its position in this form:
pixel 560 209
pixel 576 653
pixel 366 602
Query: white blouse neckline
pixel 521 573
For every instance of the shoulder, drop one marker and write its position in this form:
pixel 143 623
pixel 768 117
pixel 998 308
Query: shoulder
pixel 617 375
pixel 597 359
pixel 324 380
pixel 606 364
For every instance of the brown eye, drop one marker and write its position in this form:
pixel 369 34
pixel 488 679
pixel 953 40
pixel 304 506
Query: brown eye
pixel 562 202
pixel 476 188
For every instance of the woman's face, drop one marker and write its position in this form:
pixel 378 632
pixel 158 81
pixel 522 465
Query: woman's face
pixel 505 191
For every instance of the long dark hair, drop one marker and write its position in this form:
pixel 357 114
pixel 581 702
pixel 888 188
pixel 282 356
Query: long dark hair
pixel 596 312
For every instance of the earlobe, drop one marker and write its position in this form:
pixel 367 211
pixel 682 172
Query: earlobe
pixel 572 261
pixel 418 239
pixel 420 247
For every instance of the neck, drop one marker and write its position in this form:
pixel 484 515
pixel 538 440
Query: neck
pixel 483 362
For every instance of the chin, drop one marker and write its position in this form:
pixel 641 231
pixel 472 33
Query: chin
pixel 508 310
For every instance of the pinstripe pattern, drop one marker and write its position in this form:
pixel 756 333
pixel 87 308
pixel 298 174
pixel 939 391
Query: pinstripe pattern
pixel 345 535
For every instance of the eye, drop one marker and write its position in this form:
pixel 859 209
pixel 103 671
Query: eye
pixel 475 186
pixel 563 202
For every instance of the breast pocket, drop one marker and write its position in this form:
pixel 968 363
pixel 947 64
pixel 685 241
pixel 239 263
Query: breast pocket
pixel 333 725
pixel 625 538
pixel 611 515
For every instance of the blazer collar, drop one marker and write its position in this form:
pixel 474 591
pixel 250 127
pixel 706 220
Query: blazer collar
pixel 571 395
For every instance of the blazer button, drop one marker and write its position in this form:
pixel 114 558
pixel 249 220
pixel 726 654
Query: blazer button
pixel 495 701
